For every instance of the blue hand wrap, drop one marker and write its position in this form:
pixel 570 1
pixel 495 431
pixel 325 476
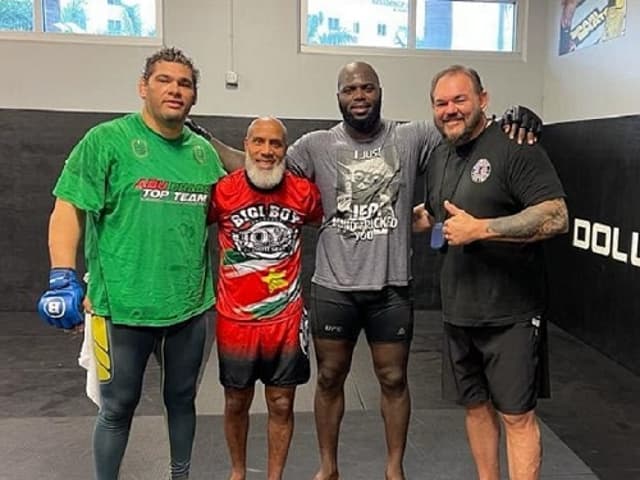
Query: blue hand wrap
pixel 61 304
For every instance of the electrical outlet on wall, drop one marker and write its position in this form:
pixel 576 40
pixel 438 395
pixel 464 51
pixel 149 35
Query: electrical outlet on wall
pixel 231 79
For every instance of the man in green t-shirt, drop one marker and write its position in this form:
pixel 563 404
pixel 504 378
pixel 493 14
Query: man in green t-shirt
pixel 140 185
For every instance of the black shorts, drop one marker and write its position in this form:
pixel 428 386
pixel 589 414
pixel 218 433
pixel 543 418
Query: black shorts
pixel 385 315
pixel 506 365
pixel 274 352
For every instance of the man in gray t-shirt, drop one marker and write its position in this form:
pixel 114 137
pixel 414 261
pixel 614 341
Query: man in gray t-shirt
pixel 367 196
pixel 365 168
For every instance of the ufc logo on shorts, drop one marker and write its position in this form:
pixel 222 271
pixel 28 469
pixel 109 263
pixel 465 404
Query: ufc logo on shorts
pixel 55 307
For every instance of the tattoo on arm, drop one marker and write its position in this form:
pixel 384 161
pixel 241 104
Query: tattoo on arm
pixel 534 223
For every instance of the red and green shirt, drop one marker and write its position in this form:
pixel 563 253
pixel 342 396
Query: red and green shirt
pixel 259 236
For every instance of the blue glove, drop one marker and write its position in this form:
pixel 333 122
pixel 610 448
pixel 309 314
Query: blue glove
pixel 61 305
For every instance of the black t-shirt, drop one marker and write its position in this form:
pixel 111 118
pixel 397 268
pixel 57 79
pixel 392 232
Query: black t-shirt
pixel 489 282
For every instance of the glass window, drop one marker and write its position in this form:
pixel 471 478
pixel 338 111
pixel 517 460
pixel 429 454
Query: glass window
pixel 445 25
pixel 131 18
pixel 418 25
pixel 373 22
pixel 16 15
pixel 123 18
pixel 114 27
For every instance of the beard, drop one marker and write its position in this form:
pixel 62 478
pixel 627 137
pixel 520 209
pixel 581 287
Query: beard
pixel 470 126
pixel 264 179
pixel 363 125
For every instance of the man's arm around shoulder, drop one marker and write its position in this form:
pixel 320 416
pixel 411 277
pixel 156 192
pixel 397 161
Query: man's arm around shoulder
pixel 231 158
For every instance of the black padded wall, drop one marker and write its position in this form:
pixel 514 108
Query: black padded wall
pixel 33 147
pixel 595 270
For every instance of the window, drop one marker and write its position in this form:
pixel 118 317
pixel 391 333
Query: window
pixel 334 24
pixel 412 25
pixel 16 15
pixel 114 27
pixel 138 19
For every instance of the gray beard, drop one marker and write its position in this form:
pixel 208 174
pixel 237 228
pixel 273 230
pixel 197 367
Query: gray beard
pixel 264 179
pixel 467 134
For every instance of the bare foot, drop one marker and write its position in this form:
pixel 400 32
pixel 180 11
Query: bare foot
pixel 237 476
pixel 321 475
pixel 394 475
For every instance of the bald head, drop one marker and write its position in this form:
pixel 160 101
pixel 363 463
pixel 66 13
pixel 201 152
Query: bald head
pixel 359 99
pixel 268 122
pixel 359 69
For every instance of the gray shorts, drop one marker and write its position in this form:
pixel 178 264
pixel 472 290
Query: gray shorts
pixel 385 315
pixel 503 364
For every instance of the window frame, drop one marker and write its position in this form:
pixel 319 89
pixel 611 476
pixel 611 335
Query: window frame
pixel 518 53
pixel 39 35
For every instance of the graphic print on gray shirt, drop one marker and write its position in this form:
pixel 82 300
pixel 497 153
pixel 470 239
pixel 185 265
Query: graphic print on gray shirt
pixel 364 242
pixel 367 190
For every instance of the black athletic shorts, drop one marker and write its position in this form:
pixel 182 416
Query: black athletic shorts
pixel 506 365
pixel 385 315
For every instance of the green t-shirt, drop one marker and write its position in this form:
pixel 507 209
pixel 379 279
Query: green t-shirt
pixel 146 201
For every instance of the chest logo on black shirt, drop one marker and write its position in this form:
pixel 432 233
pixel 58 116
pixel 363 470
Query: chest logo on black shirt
pixel 366 192
pixel 480 171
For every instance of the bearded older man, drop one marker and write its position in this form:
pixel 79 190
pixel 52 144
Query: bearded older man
pixel 262 328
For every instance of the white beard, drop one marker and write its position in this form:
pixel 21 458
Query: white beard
pixel 265 179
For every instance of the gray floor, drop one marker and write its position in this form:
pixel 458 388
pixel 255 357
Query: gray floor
pixel 591 425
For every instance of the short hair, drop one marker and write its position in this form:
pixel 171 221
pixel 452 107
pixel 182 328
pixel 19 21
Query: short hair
pixel 174 55
pixel 267 118
pixel 468 71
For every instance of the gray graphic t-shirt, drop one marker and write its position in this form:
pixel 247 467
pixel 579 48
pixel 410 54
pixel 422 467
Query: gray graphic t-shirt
pixel 367 197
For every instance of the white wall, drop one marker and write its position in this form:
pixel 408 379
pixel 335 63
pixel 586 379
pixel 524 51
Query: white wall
pixel 594 82
pixel 274 77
